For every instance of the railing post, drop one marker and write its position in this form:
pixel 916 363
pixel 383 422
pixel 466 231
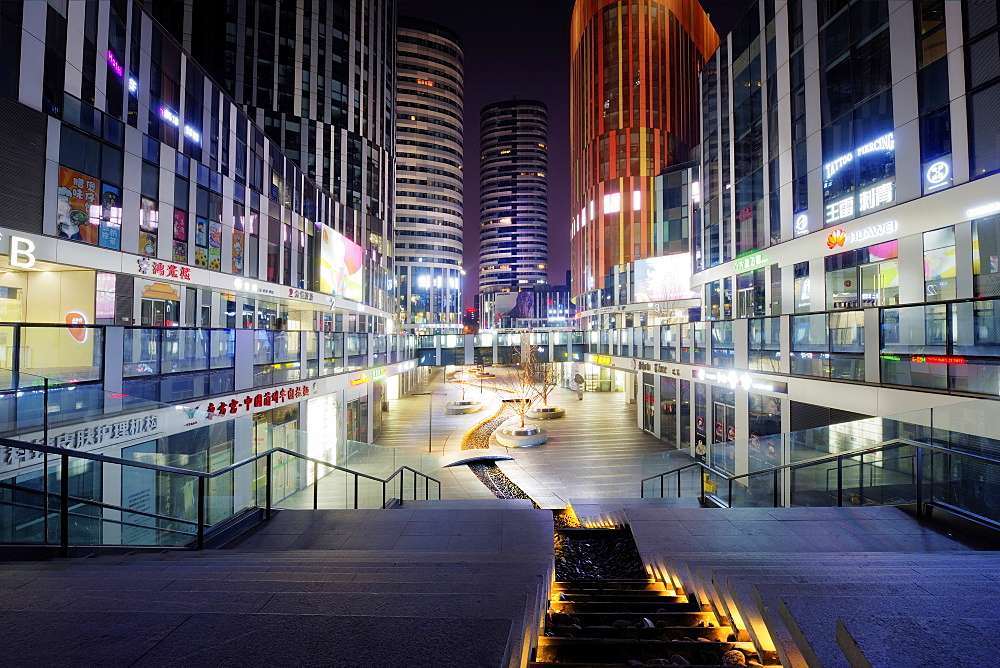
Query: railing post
pixel 64 506
pixel 427 488
pixel 414 485
pixel 267 489
pixel 201 513
pixel 775 486
pixel 730 492
pixel 840 482
pixel 861 481
pixel 45 497
pixel 383 493
pixel 315 486
pixel 701 476
pixel 661 486
pixel 920 481
pixel 356 492
pixel 678 485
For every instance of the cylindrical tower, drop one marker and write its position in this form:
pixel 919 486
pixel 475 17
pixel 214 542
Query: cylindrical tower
pixel 513 241
pixel 429 154
pixel 633 111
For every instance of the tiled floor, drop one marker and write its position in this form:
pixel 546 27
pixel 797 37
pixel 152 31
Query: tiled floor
pixel 595 451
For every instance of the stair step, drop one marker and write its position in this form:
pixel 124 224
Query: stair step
pixel 662 604
pixel 584 595
pixel 612 650
pixel 716 633
pixel 681 618
pixel 633 585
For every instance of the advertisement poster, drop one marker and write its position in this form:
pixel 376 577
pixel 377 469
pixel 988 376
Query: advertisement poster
pixel 238 252
pixel 77 207
pixel 111 216
pixel 215 246
pixel 180 225
pixel 180 252
pixel 201 232
pixel 148 224
pixel 340 267
pixel 200 256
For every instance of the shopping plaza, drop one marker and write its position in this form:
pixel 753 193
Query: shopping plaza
pixel 829 255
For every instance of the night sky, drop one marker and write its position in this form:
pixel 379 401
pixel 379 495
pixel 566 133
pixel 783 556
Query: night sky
pixel 521 48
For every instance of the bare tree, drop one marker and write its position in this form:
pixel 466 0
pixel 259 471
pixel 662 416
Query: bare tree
pixel 546 377
pixel 516 385
pixel 452 378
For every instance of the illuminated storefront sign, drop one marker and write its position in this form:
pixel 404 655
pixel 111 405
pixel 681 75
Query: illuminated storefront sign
pixel 149 267
pixel 983 210
pixel 360 380
pixel 192 134
pixel 886 142
pixel 926 359
pixel 867 200
pixel 258 400
pixel 743 381
pixel 103 434
pixel 838 237
pixel 937 175
pixel 801 223
pixel 250 286
pixel 600 359
pixel 170 117
pixel 115 65
pixel 876 196
pixel 133 86
pixel 749 262
pixel 22 252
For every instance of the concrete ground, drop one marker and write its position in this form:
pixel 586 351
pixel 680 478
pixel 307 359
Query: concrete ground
pixel 595 451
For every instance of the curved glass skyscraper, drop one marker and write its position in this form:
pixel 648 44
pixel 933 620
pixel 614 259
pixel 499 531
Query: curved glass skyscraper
pixel 513 196
pixel 429 175
pixel 633 111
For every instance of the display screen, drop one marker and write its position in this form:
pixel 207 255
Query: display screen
pixel 340 265
pixel 664 278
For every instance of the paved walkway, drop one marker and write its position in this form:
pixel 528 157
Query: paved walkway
pixel 595 451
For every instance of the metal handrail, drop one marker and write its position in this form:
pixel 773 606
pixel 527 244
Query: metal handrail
pixel 201 476
pixel 838 457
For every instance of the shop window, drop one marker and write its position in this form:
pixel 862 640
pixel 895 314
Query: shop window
pixel 984 118
pixel 939 265
pixel 764 344
pixel 802 288
pixel 986 256
pixel 864 277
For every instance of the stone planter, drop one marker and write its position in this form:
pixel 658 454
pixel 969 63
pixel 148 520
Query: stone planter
pixel 462 407
pixel 514 436
pixel 485 374
pixel 545 413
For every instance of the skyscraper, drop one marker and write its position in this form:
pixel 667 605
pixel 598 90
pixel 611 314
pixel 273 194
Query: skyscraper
pixel 429 156
pixel 320 83
pixel 513 196
pixel 633 111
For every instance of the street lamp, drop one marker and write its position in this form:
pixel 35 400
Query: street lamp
pixel 430 414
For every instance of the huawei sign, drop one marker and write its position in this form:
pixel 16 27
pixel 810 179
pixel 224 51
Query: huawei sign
pixel 836 238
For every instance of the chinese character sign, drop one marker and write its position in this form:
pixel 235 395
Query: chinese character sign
pixel 78 207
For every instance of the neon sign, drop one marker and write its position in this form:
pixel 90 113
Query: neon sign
pixel 983 210
pixel 927 359
pixel 886 142
pixel 170 117
pixel 749 262
pixel 115 65
pixel 192 134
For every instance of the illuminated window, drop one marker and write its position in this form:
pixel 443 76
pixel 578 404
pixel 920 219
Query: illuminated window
pixel 612 203
pixel 425 82
pixel 505 151
pixel 636 200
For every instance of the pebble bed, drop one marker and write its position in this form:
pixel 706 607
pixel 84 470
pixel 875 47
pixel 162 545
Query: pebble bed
pixel 488 472
pixel 602 554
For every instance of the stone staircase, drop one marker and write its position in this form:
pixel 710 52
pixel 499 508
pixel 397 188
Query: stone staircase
pixel 633 622
pixel 422 587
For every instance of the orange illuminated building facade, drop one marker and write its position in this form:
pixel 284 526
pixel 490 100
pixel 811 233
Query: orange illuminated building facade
pixel 633 111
